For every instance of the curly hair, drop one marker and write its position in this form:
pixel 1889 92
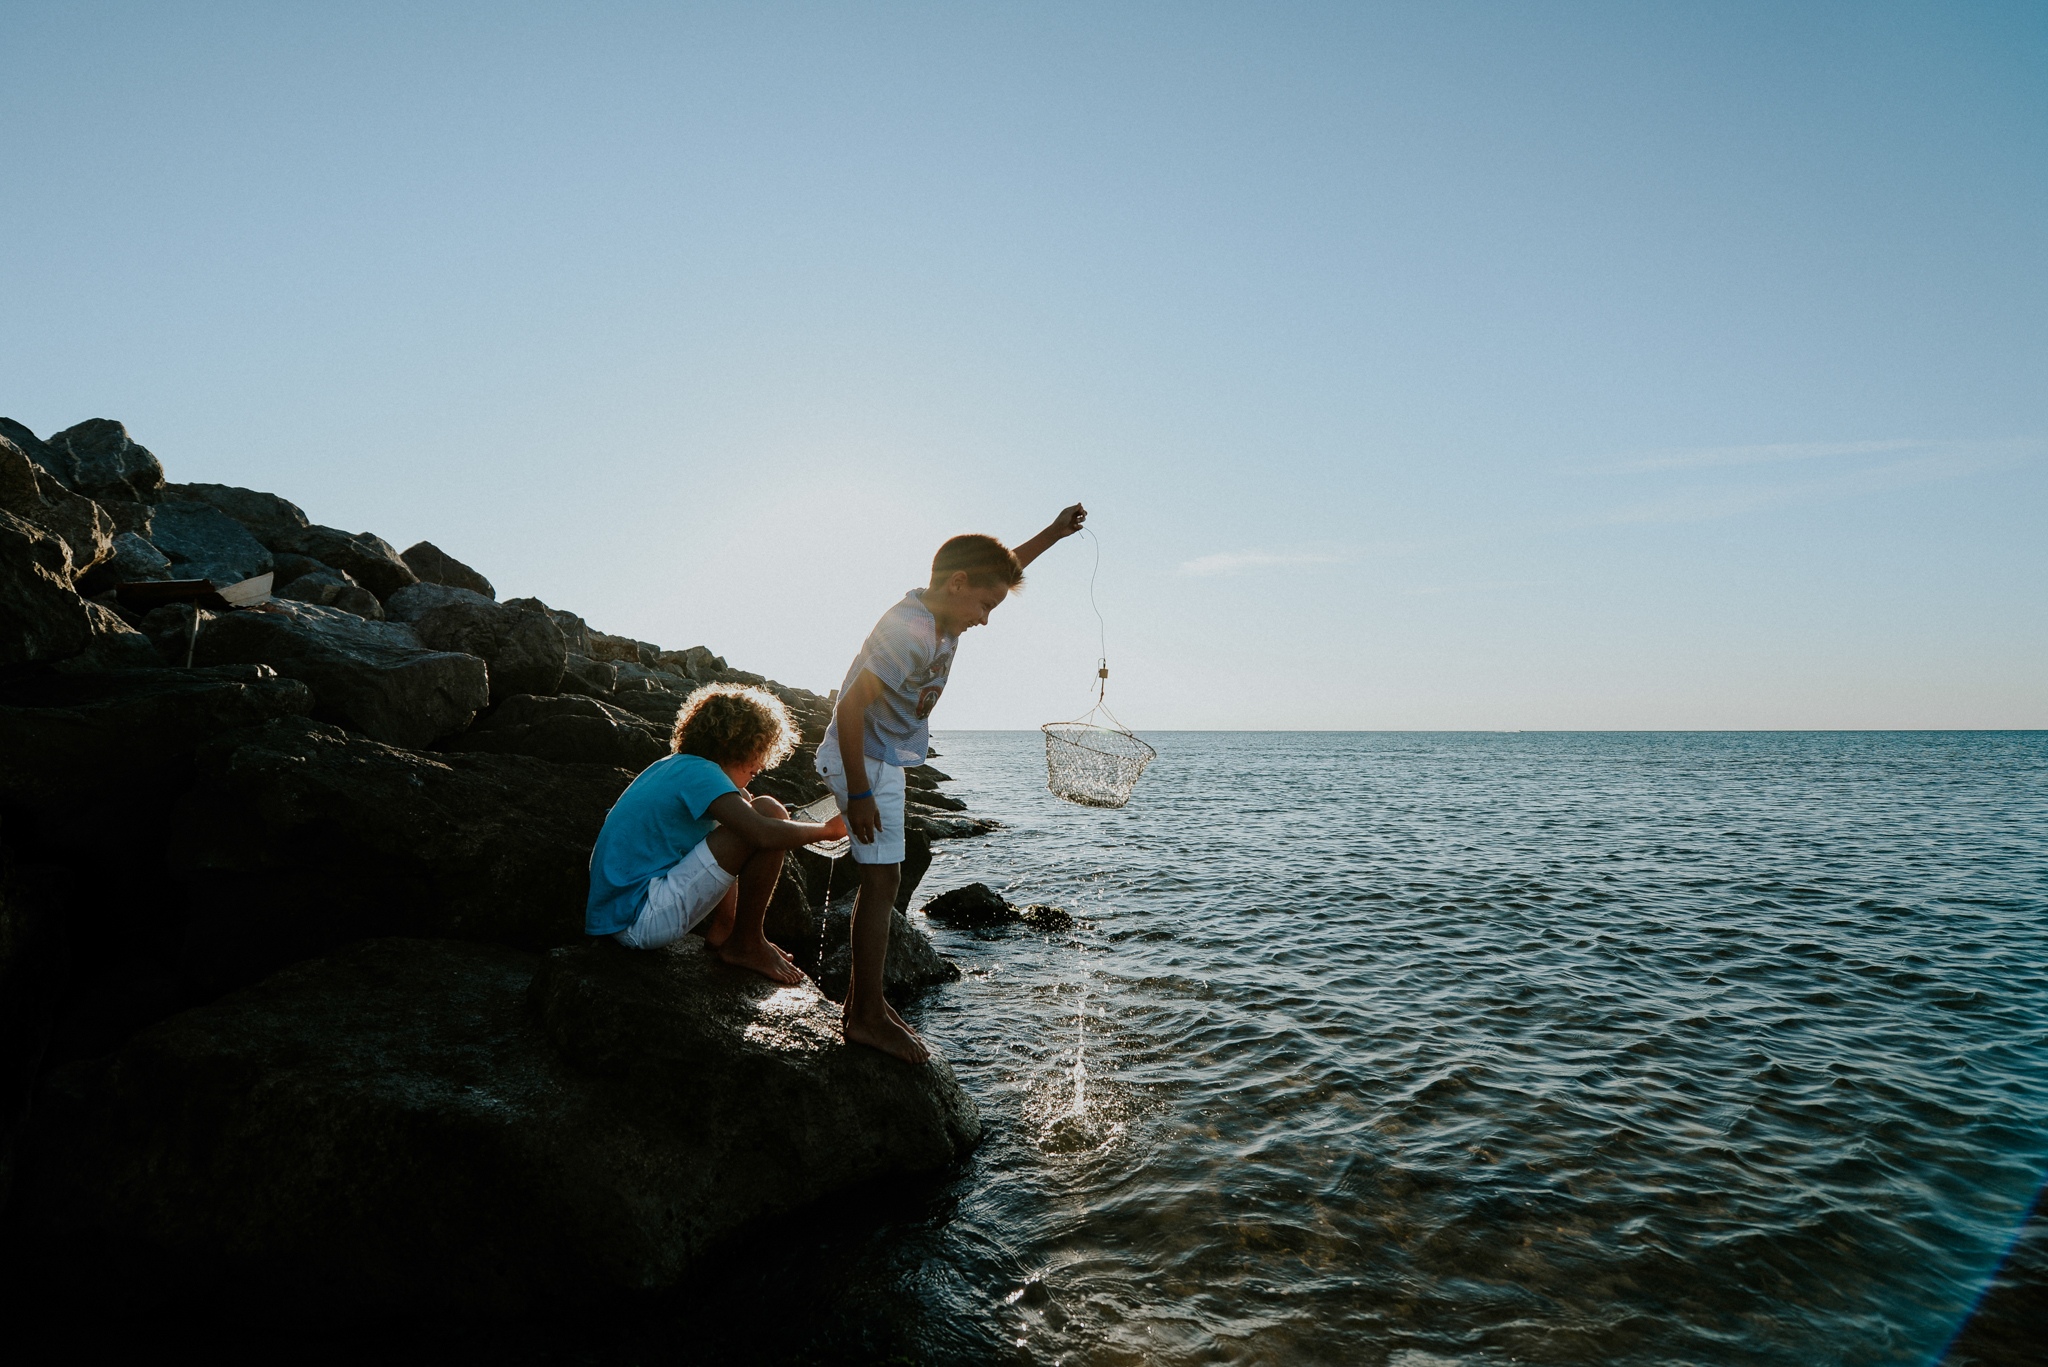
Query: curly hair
pixel 732 723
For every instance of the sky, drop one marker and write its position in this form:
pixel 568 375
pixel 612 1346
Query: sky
pixel 1431 366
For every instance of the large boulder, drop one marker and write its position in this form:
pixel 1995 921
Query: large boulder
pixel 113 644
pixel 419 1123
pixel 566 730
pixel 96 458
pixel 331 588
pixel 523 647
pixel 121 742
pixel 373 677
pixel 267 517
pixel 593 678
pixel 133 561
pixel 41 615
pixel 32 493
pixel 913 962
pixel 435 566
pixel 202 542
pixel 296 837
pixel 415 601
pixel 369 560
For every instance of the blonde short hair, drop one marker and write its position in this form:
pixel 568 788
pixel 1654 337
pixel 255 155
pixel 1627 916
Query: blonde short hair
pixel 730 723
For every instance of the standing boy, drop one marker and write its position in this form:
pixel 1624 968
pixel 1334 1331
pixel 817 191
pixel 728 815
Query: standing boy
pixel 882 725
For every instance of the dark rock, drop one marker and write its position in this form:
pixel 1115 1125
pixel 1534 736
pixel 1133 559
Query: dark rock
pixel 267 517
pixel 97 459
pixel 331 588
pixel 522 645
pixel 41 615
pixel 952 827
pixel 604 646
pixel 373 677
pixel 657 705
pixel 975 905
pixel 913 963
pixel 202 542
pixel 369 560
pixel 297 837
pixel 291 567
pixel 435 566
pixel 581 674
pixel 114 645
pixel 34 967
pixel 566 730
pixel 930 800
pixel 1039 916
pixel 133 561
pixel 35 495
pixel 69 744
pixel 37 450
pixel 415 601
pixel 129 516
pixel 437 1125
pixel 575 631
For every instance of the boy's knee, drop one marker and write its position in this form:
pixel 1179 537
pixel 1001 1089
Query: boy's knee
pixel 769 807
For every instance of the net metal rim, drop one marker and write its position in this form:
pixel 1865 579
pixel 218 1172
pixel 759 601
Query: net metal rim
pixel 1094 765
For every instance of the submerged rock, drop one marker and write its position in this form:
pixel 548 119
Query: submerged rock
pixel 978 906
pixel 374 677
pixel 419 1122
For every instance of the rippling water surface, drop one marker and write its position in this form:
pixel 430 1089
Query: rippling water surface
pixel 1490 1048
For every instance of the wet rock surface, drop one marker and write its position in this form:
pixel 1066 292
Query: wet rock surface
pixel 977 906
pixel 473 1126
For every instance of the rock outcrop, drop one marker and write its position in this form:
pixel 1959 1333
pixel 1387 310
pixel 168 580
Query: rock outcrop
pixel 567 730
pixel 419 1121
pixel 374 677
pixel 35 495
pixel 977 906
pixel 202 542
pixel 41 615
pixel 435 566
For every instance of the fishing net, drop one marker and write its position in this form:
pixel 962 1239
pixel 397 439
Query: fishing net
pixel 1092 764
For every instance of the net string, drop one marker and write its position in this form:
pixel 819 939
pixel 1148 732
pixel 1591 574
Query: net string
pixel 1101 704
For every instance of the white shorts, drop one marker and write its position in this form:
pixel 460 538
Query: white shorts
pixel 887 781
pixel 678 900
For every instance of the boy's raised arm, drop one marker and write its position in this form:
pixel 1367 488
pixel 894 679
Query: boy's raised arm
pixel 1065 525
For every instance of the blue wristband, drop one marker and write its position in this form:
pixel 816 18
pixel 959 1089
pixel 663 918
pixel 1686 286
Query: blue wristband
pixel 858 796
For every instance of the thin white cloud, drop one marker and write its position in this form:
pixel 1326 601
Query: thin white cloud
pixel 1782 453
pixel 1238 562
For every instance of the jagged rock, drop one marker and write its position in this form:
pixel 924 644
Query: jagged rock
pixel 522 645
pixel 418 1123
pixel 202 542
pixel 369 560
pixel 267 517
pixel 931 800
pixel 332 588
pixel 575 631
pixel 1039 916
pixel 291 567
pixel 952 827
pixel 128 516
pixel 32 493
pixel 133 561
pixel 373 677
pixel 41 615
pixel 96 458
pixel 415 601
pixel 297 837
pixel 604 646
pixel 975 905
pixel 435 566
pixel 70 743
pixel 114 645
pixel 695 663
pixel 581 674
pixel 566 730
pixel 913 963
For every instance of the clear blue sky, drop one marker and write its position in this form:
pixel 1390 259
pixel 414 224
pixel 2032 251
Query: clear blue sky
pixel 1424 365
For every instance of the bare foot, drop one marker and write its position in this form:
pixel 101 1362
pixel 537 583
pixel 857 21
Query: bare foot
pixel 887 1035
pixel 764 958
pixel 908 1028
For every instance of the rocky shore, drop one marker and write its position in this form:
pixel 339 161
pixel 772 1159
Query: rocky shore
pixel 293 986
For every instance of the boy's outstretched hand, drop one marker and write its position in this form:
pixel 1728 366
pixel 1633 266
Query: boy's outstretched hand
pixel 1065 525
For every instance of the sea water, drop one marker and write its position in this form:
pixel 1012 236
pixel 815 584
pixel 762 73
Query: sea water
pixel 1457 1049
pixel 1420 1049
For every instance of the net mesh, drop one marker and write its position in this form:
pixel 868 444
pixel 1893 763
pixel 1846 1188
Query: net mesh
pixel 1095 766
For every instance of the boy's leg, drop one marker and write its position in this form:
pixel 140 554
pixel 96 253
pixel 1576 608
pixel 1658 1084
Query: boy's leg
pixel 868 1018
pixel 759 870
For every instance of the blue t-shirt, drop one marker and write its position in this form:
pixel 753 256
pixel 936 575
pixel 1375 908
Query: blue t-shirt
pixel 907 653
pixel 656 821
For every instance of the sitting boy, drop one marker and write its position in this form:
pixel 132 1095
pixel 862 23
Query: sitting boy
pixel 882 726
pixel 687 841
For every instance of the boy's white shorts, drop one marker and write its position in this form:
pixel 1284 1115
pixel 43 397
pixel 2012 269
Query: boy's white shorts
pixel 678 900
pixel 887 781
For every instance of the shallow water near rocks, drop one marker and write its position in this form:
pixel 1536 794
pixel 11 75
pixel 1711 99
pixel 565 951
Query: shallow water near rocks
pixel 1407 1049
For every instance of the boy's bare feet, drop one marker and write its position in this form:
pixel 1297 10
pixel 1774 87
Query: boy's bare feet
pixel 886 1034
pixel 764 958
